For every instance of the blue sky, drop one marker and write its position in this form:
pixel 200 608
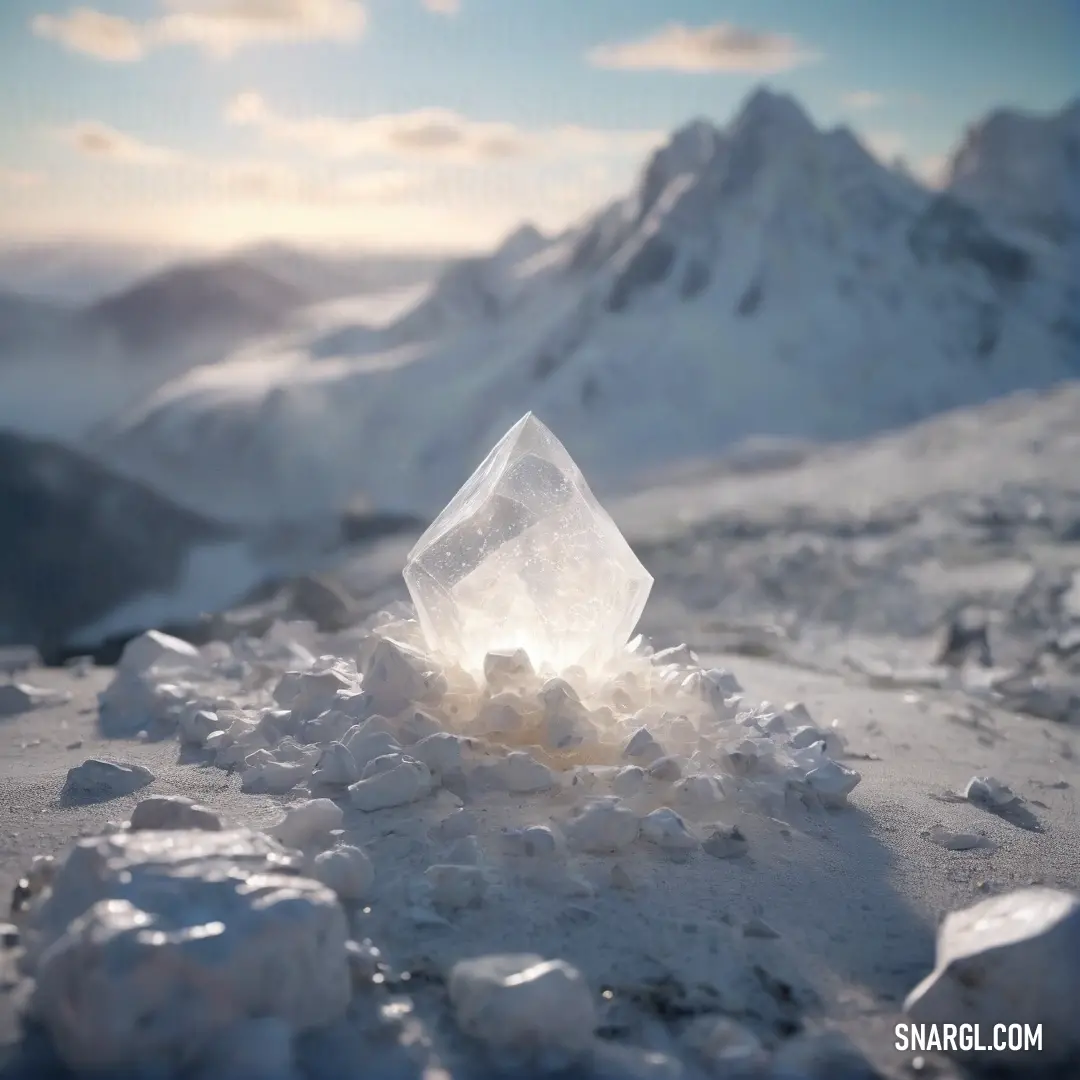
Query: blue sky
pixel 443 122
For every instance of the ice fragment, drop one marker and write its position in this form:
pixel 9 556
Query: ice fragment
pixel 524 557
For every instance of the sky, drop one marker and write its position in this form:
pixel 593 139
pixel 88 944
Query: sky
pixel 441 124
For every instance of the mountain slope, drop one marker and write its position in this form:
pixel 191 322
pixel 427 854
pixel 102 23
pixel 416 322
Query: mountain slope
pixel 764 278
pixel 76 541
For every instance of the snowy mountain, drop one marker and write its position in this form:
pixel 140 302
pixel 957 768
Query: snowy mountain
pixel 65 367
pixel 227 300
pixel 1024 169
pixel 765 278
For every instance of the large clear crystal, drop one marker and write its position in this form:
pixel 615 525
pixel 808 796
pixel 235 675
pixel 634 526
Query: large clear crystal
pixel 525 557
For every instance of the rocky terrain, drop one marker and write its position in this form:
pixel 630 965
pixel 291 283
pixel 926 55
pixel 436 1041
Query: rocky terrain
pixel 652 872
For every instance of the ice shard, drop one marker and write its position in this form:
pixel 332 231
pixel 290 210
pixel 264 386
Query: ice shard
pixel 525 557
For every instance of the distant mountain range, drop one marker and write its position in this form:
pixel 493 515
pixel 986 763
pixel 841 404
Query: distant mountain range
pixel 65 366
pixel 762 278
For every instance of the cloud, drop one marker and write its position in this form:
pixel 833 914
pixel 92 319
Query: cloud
pixel 218 27
pixel 19 178
pixel 96 140
pixel 863 100
pixel 106 37
pixel 443 7
pixel 431 134
pixel 248 179
pixel 720 47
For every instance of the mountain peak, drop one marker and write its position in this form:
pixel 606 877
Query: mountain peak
pixel 765 108
pixel 524 241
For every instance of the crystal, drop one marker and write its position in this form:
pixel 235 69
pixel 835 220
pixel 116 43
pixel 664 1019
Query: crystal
pixel 524 557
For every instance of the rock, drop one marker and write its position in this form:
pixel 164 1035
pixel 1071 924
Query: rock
pixel 416 724
pixel 988 791
pixel 173 812
pixel 682 655
pixel 664 828
pixel 155 651
pixel 1010 959
pixel 396 677
pixel 757 927
pixel 153 945
pixel 366 743
pixel 629 781
pixel 404 782
pixel 440 752
pixel 309 823
pixel 535 841
pixel 666 769
pixel 726 1047
pixel 347 870
pixel 97 779
pixel 456 886
pixel 521 774
pixel 956 841
pixel 523 1003
pixel 726 842
pixel 17 698
pixel 642 749
pixel 274 777
pixel 805 736
pixel 698 796
pixel 832 783
pixel 336 766
pixel 505 668
pixel 196 726
pixel 603 825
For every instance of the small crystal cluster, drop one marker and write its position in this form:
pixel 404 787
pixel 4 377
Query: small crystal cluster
pixel 661 732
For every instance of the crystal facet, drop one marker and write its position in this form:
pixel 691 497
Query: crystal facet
pixel 524 557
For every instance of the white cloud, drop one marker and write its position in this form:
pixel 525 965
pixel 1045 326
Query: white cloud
pixel 218 27
pixel 721 47
pixel 432 134
pixel 265 180
pixel 96 140
pixel 106 37
pixel 443 7
pixel 19 178
pixel 863 100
